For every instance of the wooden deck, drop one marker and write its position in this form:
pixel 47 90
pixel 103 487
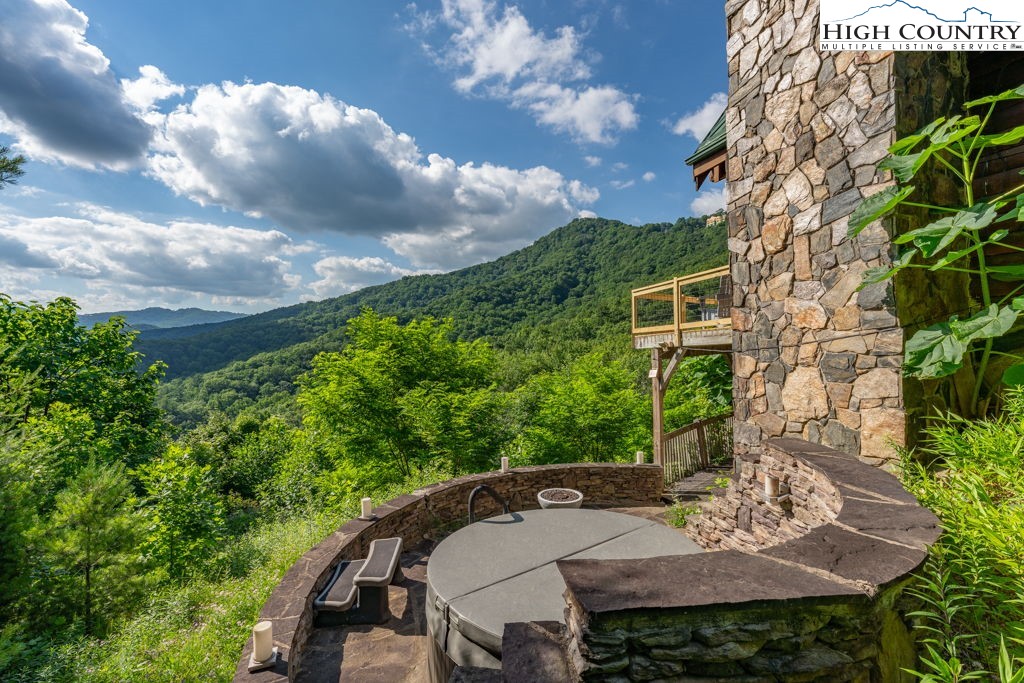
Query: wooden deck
pixel 691 311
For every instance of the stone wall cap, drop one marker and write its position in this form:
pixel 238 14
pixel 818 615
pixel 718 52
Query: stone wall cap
pixel 911 525
pixel 726 577
pixel 850 555
pixel 844 469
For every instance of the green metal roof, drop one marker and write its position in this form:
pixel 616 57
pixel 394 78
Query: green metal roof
pixel 712 144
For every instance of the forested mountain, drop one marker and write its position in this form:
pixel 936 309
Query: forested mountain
pixel 155 317
pixel 557 297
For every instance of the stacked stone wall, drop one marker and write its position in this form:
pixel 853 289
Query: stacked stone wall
pixel 743 518
pixel 816 591
pixel 816 357
pixel 428 514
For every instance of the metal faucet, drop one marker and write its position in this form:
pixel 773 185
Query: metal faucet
pixel 492 493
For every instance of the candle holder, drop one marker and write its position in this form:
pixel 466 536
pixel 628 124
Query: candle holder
pixel 367 510
pixel 262 645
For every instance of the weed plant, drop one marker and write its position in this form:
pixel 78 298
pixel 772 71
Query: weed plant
pixel 972 586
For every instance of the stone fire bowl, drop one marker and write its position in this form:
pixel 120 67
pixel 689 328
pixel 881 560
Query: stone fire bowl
pixel 548 503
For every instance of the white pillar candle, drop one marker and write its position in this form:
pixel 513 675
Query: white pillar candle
pixel 263 641
pixel 771 486
pixel 367 507
pixel 639 457
pixel 504 463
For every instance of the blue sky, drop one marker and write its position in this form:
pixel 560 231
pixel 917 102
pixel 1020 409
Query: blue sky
pixel 244 156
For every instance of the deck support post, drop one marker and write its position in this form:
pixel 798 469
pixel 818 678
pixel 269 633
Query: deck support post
pixel 660 377
pixel 658 399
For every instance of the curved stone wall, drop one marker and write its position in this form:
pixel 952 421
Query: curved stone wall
pixel 806 588
pixel 421 515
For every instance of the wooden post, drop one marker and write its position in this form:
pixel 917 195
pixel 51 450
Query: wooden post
pixel 657 397
pixel 702 444
pixel 676 319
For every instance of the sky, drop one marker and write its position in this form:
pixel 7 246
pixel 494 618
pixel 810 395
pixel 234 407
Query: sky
pixel 248 155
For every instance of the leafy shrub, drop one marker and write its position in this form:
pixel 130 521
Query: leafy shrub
pixel 972 586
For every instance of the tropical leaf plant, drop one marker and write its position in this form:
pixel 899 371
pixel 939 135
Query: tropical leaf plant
pixel 956 240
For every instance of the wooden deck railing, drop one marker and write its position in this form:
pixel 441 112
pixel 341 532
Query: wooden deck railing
pixel 684 305
pixel 696 446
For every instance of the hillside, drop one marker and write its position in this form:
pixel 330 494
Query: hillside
pixel 160 318
pixel 559 296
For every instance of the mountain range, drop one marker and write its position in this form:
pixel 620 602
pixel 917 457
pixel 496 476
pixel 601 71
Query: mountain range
pixel 161 318
pixel 563 294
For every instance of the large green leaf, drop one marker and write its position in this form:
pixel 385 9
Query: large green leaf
pixel 876 206
pixel 934 352
pixel 909 142
pixel 936 236
pixel 979 216
pixel 954 256
pixel 1010 137
pixel 1007 273
pixel 1014 375
pixel 954 129
pixel 905 166
pixel 932 238
pixel 1017 304
pixel 990 322
pixel 1014 94
pixel 881 273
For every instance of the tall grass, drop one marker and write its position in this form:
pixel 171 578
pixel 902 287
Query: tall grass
pixel 972 586
pixel 193 631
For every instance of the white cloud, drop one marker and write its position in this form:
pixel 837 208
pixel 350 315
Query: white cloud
pixel 58 96
pixel 592 161
pixel 584 194
pixel 649 176
pixel 504 48
pixel 622 184
pixel 619 166
pixel 591 114
pixel 698 123
pixel 311 162
pixel 498 54
pixel 343 274
pixel 150 87
pixel 708 202
pixel 586 214
pixel 109 250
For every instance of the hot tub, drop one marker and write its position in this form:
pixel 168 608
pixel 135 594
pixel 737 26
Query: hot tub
pixel 502 570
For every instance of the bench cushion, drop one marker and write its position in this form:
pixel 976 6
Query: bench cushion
pixel 340 593
pixel 381 562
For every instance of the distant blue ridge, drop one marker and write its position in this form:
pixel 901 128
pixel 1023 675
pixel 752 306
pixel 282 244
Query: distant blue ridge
pixel 932 14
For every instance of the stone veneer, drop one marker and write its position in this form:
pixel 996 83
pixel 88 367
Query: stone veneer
pixel 422 515
pixel 814 357
pixel 815 594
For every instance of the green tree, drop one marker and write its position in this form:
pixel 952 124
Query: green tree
pixel 89 542
pixel 700 388
pixel 10 167
pixel 397 397
pixel 185 514
pixel 589 412
pixel 18 492
pixel 94 370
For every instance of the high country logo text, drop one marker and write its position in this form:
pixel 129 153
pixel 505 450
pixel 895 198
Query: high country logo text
pixel 912 32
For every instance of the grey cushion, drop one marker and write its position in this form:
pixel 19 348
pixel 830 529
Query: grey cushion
pixel 340 593
pixel 381 563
